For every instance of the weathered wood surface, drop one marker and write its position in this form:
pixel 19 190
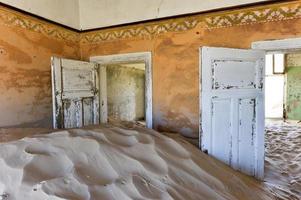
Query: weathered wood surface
pixel 103 94
pixel 75 87
pixel 232 100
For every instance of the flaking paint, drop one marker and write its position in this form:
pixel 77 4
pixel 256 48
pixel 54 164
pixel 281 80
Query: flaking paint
pixel 175 65
pixel 25 81
pixel 175 59
pixel 293 79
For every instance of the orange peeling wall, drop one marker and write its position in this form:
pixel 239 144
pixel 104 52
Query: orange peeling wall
pixel 175 53
pixel 174 45
pixel 26 46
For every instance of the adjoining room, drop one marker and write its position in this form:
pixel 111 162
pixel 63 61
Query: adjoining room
pixel 282 111
pixel 126 92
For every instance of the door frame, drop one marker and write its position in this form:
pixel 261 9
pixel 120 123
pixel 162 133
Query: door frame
pixel 290 44
pixel 145 57
pixel 285 46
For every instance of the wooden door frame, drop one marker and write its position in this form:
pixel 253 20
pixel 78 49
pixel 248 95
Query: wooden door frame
pixel 145 57
pixel 284 46
pixel 289 44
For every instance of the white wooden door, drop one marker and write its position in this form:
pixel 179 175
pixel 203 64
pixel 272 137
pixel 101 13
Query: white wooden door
pixel 232 99
pixel 75 92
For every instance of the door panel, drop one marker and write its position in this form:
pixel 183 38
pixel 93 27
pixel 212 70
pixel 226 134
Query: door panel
pixel 225 79
pixel 221 129
pixel 88 111
pixel 246 135
pixel 75 87
pixel 72 113
pixel 232 122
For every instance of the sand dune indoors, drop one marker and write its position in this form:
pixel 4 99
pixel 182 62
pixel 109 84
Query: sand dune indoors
pixel 121 163
pixel 283 159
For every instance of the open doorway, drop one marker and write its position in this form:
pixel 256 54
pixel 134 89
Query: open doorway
pixel 126 87
pixel 126 92
pixel 282 116
pixel 283 112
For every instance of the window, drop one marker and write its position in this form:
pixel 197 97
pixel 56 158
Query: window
pixel 274 63
pixel 278 63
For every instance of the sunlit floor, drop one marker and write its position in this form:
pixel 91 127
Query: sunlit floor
pixel 283 158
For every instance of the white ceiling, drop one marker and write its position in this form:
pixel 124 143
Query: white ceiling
pixel 89 14
pixel 62 11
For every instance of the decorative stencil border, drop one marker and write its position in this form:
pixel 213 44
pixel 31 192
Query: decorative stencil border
pixel 147 30
pixel 276 12
pixel 15 19
pixel 259 14
pixel 249 16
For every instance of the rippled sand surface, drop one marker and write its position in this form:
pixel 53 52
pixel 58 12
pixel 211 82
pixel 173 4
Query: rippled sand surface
pixel 283 159
pixel 117 163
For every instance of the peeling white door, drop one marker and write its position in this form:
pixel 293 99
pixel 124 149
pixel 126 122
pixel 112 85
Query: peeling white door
pixel 75 91
pixel 232 99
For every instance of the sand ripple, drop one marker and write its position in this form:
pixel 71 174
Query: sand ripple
pixel 117 163
pixel 283 159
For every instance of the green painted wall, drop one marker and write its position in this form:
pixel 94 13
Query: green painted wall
pixel 293 97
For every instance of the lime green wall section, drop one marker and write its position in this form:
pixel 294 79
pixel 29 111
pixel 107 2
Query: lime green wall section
pixel 294 93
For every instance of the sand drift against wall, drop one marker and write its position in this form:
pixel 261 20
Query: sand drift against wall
pixel 116 162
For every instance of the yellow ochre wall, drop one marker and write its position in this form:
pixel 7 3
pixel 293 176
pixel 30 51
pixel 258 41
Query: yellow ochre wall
pixel 26 45
pixel 174 44
pixel 175 47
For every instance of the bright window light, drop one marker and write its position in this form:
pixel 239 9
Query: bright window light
pixel 279 63
pixel 269 64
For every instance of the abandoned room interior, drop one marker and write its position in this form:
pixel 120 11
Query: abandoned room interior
pixel 157 99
